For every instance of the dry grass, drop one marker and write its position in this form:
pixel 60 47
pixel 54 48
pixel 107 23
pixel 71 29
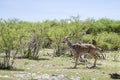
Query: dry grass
pixel 60 66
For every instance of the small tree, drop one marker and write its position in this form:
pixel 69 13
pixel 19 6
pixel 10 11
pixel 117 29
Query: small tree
pixel 32 46
pixel 10 41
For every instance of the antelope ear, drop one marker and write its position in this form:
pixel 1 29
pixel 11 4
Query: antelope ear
pixel 68 37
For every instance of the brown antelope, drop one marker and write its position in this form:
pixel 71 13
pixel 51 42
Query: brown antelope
pixel 81 48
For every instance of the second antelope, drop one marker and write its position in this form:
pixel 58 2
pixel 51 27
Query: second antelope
pixel 82 48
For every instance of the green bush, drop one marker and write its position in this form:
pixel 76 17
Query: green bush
pixel 112 40
pixel 50 34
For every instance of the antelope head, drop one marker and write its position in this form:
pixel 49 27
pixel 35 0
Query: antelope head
pixel 66 39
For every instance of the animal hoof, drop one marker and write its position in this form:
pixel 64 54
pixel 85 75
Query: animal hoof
pixel 90 67
pixel 93 66
pixel 74 67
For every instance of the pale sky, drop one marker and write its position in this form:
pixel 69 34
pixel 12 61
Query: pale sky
pixel 39 10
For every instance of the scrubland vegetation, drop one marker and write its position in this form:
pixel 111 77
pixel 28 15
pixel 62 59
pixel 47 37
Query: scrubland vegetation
pixel 26 42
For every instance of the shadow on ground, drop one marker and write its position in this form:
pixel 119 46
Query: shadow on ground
pixel 15 69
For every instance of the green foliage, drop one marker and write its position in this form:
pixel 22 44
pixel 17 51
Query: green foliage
pixel 108 40
pixel 88 38
pixel 10 40
pixel 15 34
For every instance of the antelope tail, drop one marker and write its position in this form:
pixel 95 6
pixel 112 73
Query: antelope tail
pixel 98 48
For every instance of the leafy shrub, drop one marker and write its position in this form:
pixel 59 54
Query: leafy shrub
pixel 104 31
pixel 109 40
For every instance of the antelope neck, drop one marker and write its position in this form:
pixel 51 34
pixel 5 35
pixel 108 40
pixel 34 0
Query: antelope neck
pixel 70 44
